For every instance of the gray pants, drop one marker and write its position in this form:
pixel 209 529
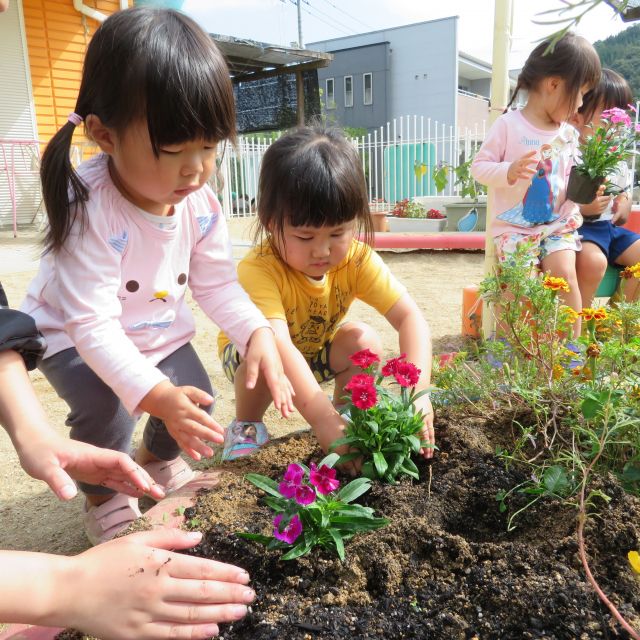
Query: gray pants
pixel 98 417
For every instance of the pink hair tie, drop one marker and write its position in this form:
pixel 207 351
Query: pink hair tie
pixel 74 119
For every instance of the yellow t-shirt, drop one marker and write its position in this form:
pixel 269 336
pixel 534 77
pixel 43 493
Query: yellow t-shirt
pixel 313 310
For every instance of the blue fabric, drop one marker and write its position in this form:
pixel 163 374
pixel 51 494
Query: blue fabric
pixel 612 240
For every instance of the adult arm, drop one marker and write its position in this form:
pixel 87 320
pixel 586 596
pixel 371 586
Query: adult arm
pixel 134 587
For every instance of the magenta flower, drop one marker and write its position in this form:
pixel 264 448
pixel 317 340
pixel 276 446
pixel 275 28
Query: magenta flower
pixel 292 480
pixel 617 116
pixel 391 365
pixel 291 532
pixel 364 396
pixel 359 380
pixel 364 358
pixel 305 495
pixel 323 479
pixel 407 374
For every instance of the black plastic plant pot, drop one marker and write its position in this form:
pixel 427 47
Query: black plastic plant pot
pixel 582 189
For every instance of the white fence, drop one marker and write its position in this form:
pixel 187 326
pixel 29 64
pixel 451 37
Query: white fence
pixel 398 161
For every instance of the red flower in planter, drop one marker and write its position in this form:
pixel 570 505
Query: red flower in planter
pixel 291 532
pixel 391 365
pixel 323 479
pixel 364 359
pixel 364 396
pixel 407 374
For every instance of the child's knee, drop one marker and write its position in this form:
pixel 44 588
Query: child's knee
pixel 359 336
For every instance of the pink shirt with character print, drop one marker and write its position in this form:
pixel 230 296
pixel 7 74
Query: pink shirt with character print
pixel 527 205
pixel 116 291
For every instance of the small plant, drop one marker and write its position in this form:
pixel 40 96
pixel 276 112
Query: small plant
pixel 435 214
pixel 409 209
pixel 383 427
pixel 311 511
pixel 610 144
pixel 467 185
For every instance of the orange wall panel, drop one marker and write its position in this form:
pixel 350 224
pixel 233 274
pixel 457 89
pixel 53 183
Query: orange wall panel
pixel 57 38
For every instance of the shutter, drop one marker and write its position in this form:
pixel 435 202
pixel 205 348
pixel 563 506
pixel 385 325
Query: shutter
pixel 17 121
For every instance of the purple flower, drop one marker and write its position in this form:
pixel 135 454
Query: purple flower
pixel 305 494
pixel 323 479
pixel 292 479
pixel 291 532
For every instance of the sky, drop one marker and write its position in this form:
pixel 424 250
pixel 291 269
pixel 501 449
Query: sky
pixel 275 21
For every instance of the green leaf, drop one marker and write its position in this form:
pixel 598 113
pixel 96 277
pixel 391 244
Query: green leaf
pixel 409 467
pixel 373 425
pixel 299 550
pixel 256 537
pixel 329 460
pixel 337 539
pixel 266 484
pixel 555 480
pixel 346 440
pixel 347 457
pixel 415 443
pixel 353 490
pixel 380 463
pixel 351 523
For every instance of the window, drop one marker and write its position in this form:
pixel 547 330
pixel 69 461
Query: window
pixel 367 87
pixel 331 94
pixel 348 91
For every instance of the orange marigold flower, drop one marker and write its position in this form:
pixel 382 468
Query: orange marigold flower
pixel 594 314
pixel 557 372
pixel 576 371
pixel 570 314
pixel 631 272
pixel 593 351
pixel 555 284
pixel 600 313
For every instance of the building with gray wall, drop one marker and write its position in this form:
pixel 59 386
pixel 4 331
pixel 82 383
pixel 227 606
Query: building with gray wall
pixel 416 69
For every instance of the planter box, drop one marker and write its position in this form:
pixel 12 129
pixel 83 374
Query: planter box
pixel 380 222
pixel 419 225
pixel 457 210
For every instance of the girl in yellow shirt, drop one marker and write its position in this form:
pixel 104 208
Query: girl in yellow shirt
pixel 305 272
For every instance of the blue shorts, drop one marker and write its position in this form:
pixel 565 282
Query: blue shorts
pixel 612 240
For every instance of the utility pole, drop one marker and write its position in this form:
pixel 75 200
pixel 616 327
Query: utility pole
pixel 499 98
pixel 300 45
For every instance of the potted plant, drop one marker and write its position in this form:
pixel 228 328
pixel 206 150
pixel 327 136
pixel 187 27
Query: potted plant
pixel 379 210
pixel 469 213
pixel 600 155
pixel 408 215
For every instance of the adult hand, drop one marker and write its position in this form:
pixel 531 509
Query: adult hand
pixel 189 425
pixel 56 460
pixel 521 168
pixel 135 587
pixel 262 357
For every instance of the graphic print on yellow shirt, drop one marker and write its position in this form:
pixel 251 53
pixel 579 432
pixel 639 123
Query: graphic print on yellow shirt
pixel 314 309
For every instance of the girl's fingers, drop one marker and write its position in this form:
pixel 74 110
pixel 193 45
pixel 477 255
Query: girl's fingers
pixel 209 591
pixel 203 613
pixel 253 369
pixel 198 569
pixel 197 396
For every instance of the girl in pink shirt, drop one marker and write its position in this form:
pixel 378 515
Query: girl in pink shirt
pixel 528 154
pixel 128 232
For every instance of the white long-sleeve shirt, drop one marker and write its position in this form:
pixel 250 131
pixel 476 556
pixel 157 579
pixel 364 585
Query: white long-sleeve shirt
pixel 116 290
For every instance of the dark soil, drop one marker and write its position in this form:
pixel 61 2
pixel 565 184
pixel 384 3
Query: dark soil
pixel 444 568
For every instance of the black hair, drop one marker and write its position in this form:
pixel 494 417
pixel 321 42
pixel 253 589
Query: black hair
pixel 312 177
pixel 612 91
pixel 142 64
pixel 572 58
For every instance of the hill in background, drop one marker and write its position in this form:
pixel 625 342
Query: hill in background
pixel 622 54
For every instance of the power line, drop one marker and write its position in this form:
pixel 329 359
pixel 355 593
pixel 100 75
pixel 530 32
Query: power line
pixel 322 20
pixel 364 24
pixel 307 2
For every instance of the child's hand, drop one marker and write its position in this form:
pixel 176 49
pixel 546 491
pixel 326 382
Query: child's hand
pixel 263 357
pixel 56 460
pixel 424 404
pixel 621 209
pixel 189 425
pixel 138 587
pixel 598 205
pixel 521 169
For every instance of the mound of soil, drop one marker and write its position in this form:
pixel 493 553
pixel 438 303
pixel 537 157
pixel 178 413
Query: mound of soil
pixel 444 568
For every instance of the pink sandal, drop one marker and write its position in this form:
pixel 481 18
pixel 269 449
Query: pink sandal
pixel 170 474
pixel 104 521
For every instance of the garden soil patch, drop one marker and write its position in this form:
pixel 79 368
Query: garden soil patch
pixel 444 568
